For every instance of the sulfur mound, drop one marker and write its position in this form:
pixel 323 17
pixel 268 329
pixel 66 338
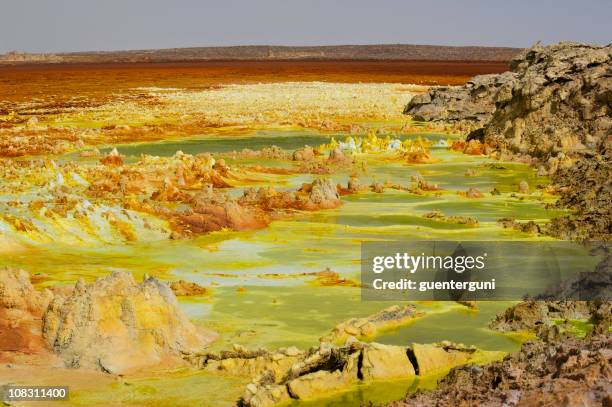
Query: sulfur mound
pixel 322 193
pixel 186 288
pixel 113 159
pixel 212 215
pixel 117 325
pixel 21 310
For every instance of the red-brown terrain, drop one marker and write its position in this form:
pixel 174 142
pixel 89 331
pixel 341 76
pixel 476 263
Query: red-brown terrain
pixel 60 82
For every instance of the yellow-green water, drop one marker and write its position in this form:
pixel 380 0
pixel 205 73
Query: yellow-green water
pixel 276 312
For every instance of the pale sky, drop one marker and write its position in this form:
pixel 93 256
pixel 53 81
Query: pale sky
pixel 84 25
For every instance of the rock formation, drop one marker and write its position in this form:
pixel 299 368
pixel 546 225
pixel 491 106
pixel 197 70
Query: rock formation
pixel 186 288
pixel 553 110
pixel 537 315
pixel 567 372
pixel 593 286
pixel 114 324
pixel 472 104
pixel 329 369
pixel 555 100
pixel 224 212
pixel 460 220
pixel 523 316
pixel 21 311
pixel 117 325
pixel 322 193
pixel 388 318
pixel 525 227
pixel 305 153
pixel 585 188
pixel 243 362
pixel 113 159
pixel 559 105
pixel 562 301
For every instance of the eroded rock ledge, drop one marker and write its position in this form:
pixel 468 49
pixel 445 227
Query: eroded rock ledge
pixel 329 369
pixel 388 318
pixel 472 105
pixel 289 373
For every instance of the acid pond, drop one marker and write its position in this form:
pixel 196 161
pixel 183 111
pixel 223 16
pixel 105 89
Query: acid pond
pixel 258 293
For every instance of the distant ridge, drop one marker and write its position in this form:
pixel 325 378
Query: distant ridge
pixel 267 52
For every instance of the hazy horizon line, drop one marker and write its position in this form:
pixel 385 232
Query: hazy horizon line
pixel 271 45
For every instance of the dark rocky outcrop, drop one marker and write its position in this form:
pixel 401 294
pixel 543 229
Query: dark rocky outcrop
pixel 565 372
pixel 555 102
pixel 558 107
pixel 472 104
pixel 552 110
pixel 538 315
pixel 585 188
pixel 523 316
pixel 564 301
pixel 593 286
